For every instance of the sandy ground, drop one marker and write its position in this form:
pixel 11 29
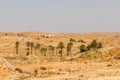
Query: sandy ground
pixel 67 70
pixel 97 65
pixel 83 71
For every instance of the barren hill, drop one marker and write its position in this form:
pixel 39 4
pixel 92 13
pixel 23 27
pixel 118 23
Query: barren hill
pixel 82 66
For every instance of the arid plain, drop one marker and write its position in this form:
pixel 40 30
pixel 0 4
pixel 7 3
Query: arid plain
pixel 95 64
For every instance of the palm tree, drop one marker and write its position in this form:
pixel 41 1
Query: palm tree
pixel 37 47
pixel 69 48
pixel 60 47
pixel 28 44
pixel 43 51
pixel 51 48
pixel 28 47
pixel 56 50
pixel 17 46
pixel 31 45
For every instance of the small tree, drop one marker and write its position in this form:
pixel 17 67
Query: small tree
pixel 51 48
pixel 6 34
pixel 68 48
pixel 56 50
pixel 99 45
pixel 82 48
pixel 28 44
pixel 43 51
pixel 31 45
pixel 60 47
pixel 17 46
pixel 72 40
pixel 18 34
pixel 28 47
pixel 88 47
pixel 82 41
pixel 37 47
pixel 94 44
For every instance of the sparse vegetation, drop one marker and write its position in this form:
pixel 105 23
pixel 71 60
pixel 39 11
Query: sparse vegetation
pixel 17 46
pixel 60 47
pixel 99 45
pixel 82 48
pixel 52 49
pixel 109 65
pixel 94 44
pixel 82 41
pixel 6 34
pixel 69 48
pixel 19 70
pixel 43 51
pixel 72 40
pixel 35 72
pixel 88 47
pixel 28 47
pixel 44 63
pixel 43 68
pixel 37 47
pixel 32 46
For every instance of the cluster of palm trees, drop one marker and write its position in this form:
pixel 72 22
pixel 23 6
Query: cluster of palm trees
pixel 59 48
pixel 43 50
pixel 94 45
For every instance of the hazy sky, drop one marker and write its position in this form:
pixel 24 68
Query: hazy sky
pixel 60 15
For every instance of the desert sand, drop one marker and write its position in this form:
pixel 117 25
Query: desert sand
pixel 100 64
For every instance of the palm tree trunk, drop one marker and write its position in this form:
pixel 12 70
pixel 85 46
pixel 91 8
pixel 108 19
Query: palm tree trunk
pixel 31 50
pixel 61 53
pixel 56 51
pixel 35 51
pixel 52 52
pixel 44 53
pixel 67 53
pixel 16 50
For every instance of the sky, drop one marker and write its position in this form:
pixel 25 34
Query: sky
pixel 73 16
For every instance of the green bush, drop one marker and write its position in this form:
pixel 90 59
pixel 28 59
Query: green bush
pixel 82 48
pixel 72 40
pixel 82 41
pixel 96 45
pixel 88 47
pixel 99 45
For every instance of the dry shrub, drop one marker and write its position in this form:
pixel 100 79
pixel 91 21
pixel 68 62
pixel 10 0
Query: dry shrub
pixel 35 72
pixel 19 70
pixel 43 68
pixel 85 62
pixel 117 57
pixel 63 59
pixel 109 65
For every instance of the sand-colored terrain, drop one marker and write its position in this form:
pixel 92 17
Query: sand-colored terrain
pixel 101 64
